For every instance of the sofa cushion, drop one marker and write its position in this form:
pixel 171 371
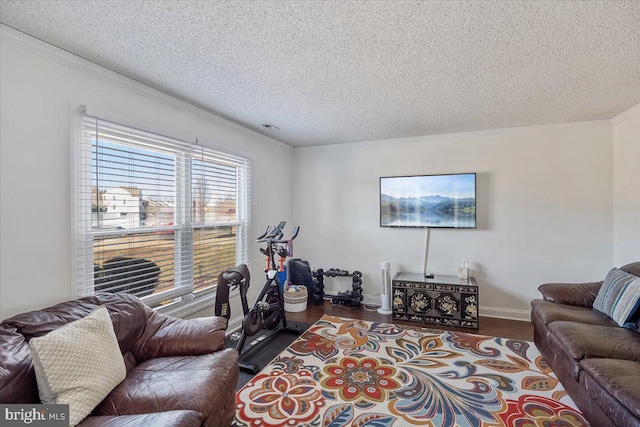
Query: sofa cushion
pixel 612 383
pixel 78 364
pixel 202 383
pixel 582 341
pixel 550 312
pixel 619 296
pixel 164 419
pixel 558 358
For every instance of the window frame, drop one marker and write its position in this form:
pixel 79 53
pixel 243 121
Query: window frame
pixel 184 226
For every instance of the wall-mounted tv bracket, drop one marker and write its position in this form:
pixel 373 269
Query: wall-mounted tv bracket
pixel 352 298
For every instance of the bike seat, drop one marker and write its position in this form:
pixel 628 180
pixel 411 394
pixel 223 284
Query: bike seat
pixel 232 277
pixel 236 275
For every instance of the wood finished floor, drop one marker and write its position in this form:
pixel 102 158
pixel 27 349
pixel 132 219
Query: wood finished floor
pixel 491 326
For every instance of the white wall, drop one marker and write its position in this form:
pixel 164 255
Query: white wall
pixel 38 83
pixel 626 187
pixel 544 206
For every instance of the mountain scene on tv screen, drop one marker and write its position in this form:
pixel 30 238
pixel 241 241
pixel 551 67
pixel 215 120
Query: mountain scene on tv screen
pixel 427 211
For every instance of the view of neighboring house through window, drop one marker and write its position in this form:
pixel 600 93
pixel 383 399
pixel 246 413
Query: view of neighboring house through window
pixel 156 217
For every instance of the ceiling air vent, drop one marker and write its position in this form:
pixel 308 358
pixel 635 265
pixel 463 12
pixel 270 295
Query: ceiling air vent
pixel 270 126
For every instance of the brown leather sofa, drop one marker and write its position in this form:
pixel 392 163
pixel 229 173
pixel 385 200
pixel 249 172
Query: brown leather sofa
pixel 597 361
pixel 178 373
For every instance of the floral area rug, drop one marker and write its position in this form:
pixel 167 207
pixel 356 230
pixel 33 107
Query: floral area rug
pixel 345 372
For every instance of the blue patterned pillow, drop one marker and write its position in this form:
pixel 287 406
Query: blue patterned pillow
pixel 619 296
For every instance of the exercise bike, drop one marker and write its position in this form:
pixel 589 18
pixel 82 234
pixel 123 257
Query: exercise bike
pixel 268 310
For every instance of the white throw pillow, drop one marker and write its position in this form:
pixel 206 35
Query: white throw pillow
pixel 78 364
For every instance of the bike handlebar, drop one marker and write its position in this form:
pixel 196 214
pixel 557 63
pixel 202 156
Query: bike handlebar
pixel 275 235
pixel 272 233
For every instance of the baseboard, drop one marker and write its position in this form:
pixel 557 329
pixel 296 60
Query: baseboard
pixel 372 300
pixel 505 313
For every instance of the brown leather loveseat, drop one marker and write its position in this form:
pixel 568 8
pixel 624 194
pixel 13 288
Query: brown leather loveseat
pixel 597 361
pixel 178 373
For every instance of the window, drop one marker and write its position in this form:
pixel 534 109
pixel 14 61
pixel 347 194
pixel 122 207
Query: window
pixel 183 218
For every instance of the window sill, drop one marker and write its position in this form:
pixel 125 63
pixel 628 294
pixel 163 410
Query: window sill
pixel 192 305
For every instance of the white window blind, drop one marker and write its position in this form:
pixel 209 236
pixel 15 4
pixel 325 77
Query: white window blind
pixel 155 217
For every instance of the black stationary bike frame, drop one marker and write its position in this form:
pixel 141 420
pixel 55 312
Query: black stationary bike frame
pixel 268 310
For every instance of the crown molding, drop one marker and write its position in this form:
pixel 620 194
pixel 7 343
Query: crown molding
pixel 459 135
pixel 65 58
pixel 626 115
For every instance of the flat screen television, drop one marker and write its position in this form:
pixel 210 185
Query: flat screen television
pixel 428 201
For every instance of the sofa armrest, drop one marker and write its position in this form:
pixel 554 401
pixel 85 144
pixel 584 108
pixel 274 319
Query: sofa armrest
pixel 180 337
pixel 580 294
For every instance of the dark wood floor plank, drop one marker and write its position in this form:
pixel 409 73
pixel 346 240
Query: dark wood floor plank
pixel 491 326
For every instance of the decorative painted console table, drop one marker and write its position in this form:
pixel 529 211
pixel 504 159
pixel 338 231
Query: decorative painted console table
pixel 441 300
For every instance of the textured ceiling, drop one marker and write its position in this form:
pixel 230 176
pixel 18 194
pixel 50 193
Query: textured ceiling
pixel 340 71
